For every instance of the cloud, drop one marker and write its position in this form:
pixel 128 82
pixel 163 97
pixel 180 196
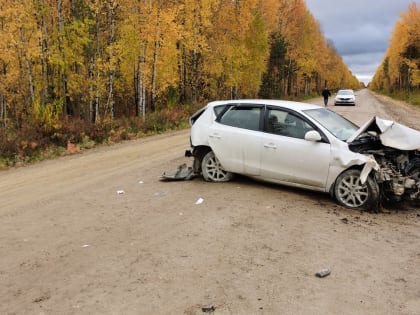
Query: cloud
pixel 359 29
pixel 364 65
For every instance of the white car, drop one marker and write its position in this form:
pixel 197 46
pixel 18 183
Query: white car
pixel 345 97
pixel 307 146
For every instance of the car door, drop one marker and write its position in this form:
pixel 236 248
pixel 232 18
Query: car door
pixel 287 157
pixel 235 138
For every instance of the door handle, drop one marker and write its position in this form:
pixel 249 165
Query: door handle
pixel 215 136
pixel 270 146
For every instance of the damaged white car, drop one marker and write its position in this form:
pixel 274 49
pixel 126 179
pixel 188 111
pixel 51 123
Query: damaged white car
pixel 307 146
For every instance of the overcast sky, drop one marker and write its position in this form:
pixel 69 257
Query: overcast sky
pixel 359 29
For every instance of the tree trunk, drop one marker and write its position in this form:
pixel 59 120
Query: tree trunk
pixel 183 74
pixel 44 50
pixel 155 60
pixel 62 72
pixel 92 108
pixel 3 112
pixel 195 77
pixel 25 55
pixel 140 88
pixel 111 39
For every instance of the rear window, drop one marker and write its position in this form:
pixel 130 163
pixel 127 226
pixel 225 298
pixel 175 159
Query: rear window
pixel 242 117
pixel 197 115
pixel 217 110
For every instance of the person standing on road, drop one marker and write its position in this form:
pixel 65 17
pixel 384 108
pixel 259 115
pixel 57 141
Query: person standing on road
pixel 326 93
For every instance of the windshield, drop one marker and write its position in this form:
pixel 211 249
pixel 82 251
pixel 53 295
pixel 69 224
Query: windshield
pixel 345 92
pixel 339 126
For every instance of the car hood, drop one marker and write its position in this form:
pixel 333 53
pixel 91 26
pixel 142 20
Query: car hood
pixel 391 134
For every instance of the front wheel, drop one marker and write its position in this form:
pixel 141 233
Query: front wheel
pixel 212 169
pixel 351 193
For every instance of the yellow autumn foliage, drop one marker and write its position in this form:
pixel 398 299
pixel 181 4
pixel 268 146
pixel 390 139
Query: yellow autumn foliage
pixel 98 60
pixel 400 68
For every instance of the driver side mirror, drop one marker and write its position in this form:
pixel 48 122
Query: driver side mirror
pixel 313 136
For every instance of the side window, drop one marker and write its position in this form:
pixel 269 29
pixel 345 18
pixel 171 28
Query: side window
pixel 286 124
pixel 219 109
pixel 246 117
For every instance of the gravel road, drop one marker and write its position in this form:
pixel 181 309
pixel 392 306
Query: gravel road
pixel 98 233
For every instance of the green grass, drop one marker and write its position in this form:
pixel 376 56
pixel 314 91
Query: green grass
pixel 412 98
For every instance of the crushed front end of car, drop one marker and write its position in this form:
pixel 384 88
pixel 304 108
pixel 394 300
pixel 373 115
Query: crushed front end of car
pixel 396 149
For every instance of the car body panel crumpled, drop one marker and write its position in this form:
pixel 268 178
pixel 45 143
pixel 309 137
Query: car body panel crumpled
pixel 391 134
pixel 334 155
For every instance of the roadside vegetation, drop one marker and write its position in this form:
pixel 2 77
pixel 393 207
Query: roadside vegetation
pixel 399 74
pixel 37 142
pixel 74 74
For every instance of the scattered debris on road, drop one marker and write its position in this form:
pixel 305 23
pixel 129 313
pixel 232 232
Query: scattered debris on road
pixel 182 173
pixel 323 273
pixel 208 309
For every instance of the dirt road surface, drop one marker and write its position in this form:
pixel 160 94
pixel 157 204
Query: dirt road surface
pixel 98 233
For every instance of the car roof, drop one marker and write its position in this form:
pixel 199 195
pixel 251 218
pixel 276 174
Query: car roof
pixel 280 103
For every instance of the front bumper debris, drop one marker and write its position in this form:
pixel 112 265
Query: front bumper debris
pixel 182 173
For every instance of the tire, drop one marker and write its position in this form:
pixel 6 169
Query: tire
pixel 212 170
pixel 351 193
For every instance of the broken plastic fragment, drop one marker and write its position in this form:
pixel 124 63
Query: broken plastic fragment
pixel 199 201
pixel 182 173
pixel 120 192
pixel 208 309
pixel 323 273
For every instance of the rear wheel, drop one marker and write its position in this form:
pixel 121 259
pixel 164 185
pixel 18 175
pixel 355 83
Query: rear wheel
pixel 351 193
pixel 212 169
